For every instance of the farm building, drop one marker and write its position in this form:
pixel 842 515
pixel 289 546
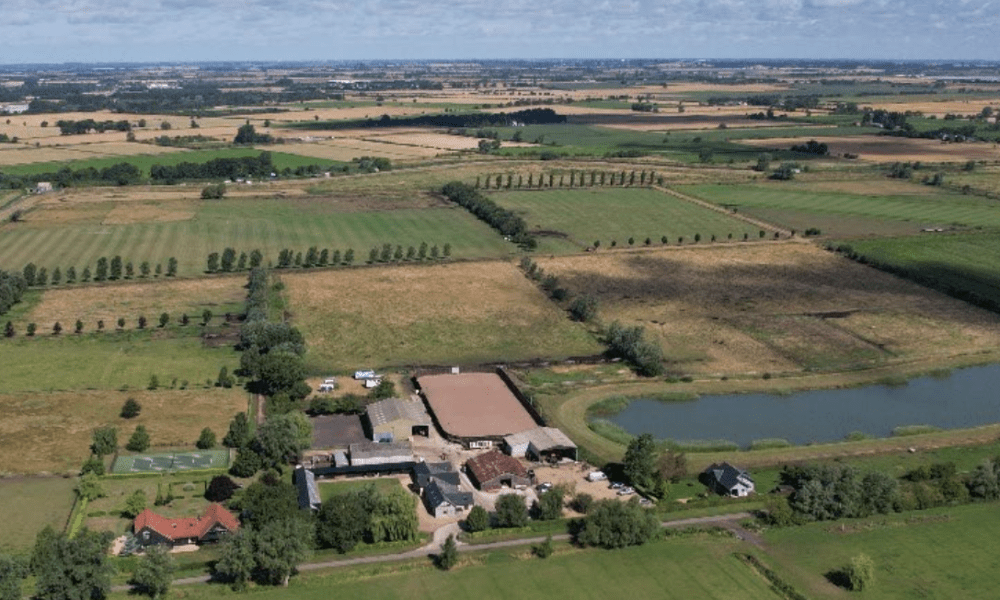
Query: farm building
pixel 395 419
pixel 308 493
pixel 369 453
pixel 476 409
pixel 727 480
pixel 217 522
pixel 541 443
pixel 495 470
pixel 43 187
pixel 440 487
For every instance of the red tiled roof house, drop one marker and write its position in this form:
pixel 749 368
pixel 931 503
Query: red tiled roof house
pixel 217 522
pixel 495 470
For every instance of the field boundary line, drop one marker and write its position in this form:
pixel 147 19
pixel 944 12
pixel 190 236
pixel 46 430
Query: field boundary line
pixel 719 209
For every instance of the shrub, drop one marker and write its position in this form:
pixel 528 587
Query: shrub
pixel 220 489
pixel 130 409
pixel 206 441
pixel 478 519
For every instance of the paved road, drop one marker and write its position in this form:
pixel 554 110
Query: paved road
pixel 729 521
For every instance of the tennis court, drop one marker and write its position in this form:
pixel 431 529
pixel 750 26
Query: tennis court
pixel 164 463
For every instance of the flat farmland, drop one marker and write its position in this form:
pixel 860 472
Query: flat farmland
pixel 889 148
pixel 939 553
pixel 928 207
pixel 109 360
pixel 78 234
pixel 608 214
pixel 50 432
pixel 773 307
pixel 461 313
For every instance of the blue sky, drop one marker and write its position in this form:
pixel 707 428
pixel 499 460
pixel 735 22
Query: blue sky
pixel 189 30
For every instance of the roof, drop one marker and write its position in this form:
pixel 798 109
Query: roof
pixel 186 527
pixel 380 450
pixel 395 409
pixel 305 483
pixel 542 438
pixel 440 492
pixel 424 472
pixel 493 464
pixel 727 475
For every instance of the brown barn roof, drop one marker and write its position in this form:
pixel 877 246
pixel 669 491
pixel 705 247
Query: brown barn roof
pixel 187 527
pixel 493 464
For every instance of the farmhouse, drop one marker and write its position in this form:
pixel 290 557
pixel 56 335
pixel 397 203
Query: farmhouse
pixel 308 493
pixel 440 487
pixel 495 470
pixel 541 443
pixel 727 480
pixel 476 409
pixel 395 419
pixel 217 522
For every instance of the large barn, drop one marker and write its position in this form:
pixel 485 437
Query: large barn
pixel 541 443
pixel 393 419
pixel 476 409
pixel 495 470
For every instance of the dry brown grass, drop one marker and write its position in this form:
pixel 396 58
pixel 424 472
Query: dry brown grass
pixel 50 432
pixel 756 308
pixel 150 213
pixel 941 107
pixel 891 149
pixel 91 303
pixel 436 314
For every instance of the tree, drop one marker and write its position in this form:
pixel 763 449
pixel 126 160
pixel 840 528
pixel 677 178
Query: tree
pixel 256 258
pixel 270 498
pixel 8 330
pixel 28 273
pixel 154 573
pixel 135 504
pixel 478 519
pixel 93 465
pixel 13 571
pixel 545 549
pixel 511 511
pixel 385 389
pixel 104 441
pixel 206 441
pixel 72 569
pixel 144 269
pixel 101 274
pixel 343 520
pixel 236 565
pixel 448 557
pixel 280 439
pixel 239 435
pixel 224 380
pixel 615 524
pixel 206 316
pixel 78 326
pixel 129 270
pixel 139 441
pixel 550 504
pixel 116 268
pixel 672 466
pixel 31 329
pixel 446 250
pixel 121 322
pixel 220 489
pixel 213 192
pixel 89 487
pixel 279 546
pixel 349 256
pixel 246 464
pixel 171 267
pixel 56 276
pixel 57 328
pixel 860 573
pixel 228 259
pixel 71 274
pixel 639 463
pixel 142 322
pixel 583 308
pixel 213 262
pixel 164 319
pixel 130 409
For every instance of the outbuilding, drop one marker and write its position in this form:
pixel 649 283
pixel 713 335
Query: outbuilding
pixel 495 470
pixel 396 419
pixel 308 493
pixel 726 480
pixel 541 443
pixel 370 453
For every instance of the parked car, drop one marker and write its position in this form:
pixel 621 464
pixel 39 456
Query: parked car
pixel 544 487
pixel 616 485
pixel 626 491
pixel 597 476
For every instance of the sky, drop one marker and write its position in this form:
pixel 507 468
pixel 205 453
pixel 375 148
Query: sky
pixel 44 31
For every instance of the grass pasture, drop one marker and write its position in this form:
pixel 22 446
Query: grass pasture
pixel 244 224
pixel 459 313
pixel 50 500
pixel 50 432
pixel 754 308
pixel 922 207
pixel 940 553
pixel 612 214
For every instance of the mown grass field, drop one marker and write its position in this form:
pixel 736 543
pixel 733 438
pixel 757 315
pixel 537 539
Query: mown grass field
pixel 245 225
pixel 941 553
pixel 108 361
pixel 459 313
pixel 922 207
pixel 144 161
pixel 50 432
pixel 699 567
pixel 608 214
pixel 954 262
pixel 329 489
pixel 29 504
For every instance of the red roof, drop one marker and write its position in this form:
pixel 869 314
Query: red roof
pixel 187 527
pixel 493 464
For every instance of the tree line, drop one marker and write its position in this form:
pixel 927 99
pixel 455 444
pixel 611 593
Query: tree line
pixel 531 116
pixel 122 173
pixel 575 179
pixel 71 127
pixel 261 165
pixel 505 221
pixel 386 254
pixel 141 323
pixel 105 270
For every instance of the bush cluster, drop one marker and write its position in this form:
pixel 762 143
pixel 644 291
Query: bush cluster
pixel 505 221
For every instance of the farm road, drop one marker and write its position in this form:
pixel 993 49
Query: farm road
pixel 730 522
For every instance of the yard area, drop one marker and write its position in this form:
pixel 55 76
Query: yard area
pixel 29 504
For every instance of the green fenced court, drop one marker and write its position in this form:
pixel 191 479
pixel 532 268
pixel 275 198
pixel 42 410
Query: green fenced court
pixel 169 462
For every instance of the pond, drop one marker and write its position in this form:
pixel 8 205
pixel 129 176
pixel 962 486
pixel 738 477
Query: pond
pixel 965 398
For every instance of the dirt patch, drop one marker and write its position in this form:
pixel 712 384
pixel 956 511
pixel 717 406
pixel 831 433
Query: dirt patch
pixel 127 214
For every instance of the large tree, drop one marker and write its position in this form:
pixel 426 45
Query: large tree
pixel 343 520
pixel 615 524
pixel 279 546
pixel 511 511
pixel 13 570
pixel 72 569
pixel 154 573
pixel 104 440
pixel 640 461
pixel 281 438
pixel 239 435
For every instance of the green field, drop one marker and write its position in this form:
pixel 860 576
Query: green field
pixel 682 569
pixel 329 489
pixel 948 262
pixel 144 161
pixel 940 553
pixel 245 225
pixel 933 207
pixel 606 214
pixel 50 500
pixel 107 361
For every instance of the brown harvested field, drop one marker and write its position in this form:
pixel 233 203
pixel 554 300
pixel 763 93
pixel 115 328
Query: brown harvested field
pixel 50 432
pixel 777 307
pixel 163 212
pixel 473 405
pixel 440 314
pixel 347 149
pixel 877 148
pixel 109 302
pixel 939 108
